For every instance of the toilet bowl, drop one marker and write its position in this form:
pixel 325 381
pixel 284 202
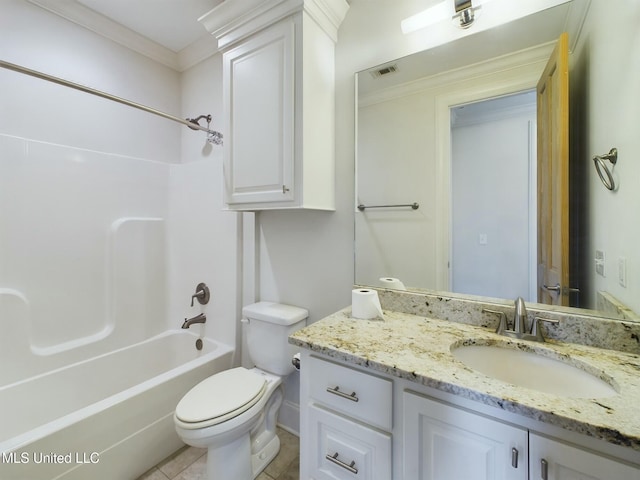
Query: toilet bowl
pixel 234 413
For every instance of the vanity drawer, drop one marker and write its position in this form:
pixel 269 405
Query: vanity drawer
pixel 357 394
pixel 343 449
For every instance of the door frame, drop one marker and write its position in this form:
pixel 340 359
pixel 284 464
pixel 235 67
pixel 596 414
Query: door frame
pixel 519 78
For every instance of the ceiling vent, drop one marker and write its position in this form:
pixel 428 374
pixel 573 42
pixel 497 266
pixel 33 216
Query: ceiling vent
pixel 386 70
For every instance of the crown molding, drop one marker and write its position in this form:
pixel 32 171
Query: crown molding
pixel 196 52
pixel 97 23
pixel 232 21
pixel 534 56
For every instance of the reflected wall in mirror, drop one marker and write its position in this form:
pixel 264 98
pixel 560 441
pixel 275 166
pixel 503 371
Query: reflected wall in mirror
pixel 406 153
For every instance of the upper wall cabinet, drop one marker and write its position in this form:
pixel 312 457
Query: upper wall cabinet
pixel 278 87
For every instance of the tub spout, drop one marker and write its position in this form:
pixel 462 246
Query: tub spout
pixel 202 318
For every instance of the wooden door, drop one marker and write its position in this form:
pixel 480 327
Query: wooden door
pixel 553 177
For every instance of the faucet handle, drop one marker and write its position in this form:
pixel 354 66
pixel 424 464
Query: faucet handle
pixel 535 327
pixel 503 324
pixel 202 294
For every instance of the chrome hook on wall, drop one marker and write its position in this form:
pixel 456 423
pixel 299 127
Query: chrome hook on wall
pixel 601 166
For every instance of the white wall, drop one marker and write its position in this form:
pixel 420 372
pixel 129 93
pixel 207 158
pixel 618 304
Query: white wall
pixel 396 166
pixel 306 258
pixel 606 72
pixel 33 108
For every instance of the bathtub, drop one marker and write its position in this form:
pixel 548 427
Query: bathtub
pixel 109 417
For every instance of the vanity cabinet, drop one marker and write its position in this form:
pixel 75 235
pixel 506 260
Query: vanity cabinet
pixel 278 96
pixel 394 428
pixel 345 423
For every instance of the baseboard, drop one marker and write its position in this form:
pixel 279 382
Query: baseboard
pixel 289 417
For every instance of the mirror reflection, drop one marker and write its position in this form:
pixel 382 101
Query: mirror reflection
pixel 453 129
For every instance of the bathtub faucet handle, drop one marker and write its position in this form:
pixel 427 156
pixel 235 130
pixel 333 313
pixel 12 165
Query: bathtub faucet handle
pixel 202 294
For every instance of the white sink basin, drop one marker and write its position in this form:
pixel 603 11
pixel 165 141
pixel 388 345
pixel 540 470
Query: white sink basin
pixel 537 371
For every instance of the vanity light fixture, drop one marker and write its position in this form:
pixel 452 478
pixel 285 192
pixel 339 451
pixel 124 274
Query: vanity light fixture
pixel 461 12
pixel 465 13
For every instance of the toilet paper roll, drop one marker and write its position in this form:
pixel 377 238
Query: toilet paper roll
pixel 365 304
pixel 390 282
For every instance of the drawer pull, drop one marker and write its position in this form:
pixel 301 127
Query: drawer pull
pixel 336 391
pixel 544 469
pixel 334 458
pixel 514 457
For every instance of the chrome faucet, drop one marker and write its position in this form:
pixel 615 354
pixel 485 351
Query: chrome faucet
pixel 519 329
pixel 202 318
pixel 520 316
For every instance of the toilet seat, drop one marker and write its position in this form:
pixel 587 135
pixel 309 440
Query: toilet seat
pixel 220 397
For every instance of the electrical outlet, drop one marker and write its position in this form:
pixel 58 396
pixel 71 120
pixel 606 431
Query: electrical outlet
pixel 482 239
pixel 622 271
pixel 600 262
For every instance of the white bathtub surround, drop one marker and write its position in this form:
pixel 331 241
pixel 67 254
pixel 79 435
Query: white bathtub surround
pixel 116 422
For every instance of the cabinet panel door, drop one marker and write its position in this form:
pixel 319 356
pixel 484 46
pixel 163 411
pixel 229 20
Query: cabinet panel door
pixel 565 462
pixel 442 442
pixel 356 451
pixel 259 108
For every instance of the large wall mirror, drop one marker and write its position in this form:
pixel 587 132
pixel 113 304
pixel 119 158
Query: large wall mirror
pixel 446 169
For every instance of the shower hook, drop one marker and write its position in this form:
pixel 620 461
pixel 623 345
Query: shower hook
pixel 601 166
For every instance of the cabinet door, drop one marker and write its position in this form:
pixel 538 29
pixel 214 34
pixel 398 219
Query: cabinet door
pixel 259 108
pixel 553 460
pixel 442 442
pixel 342 449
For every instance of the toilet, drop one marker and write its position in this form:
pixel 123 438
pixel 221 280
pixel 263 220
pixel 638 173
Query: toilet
pixel 234 413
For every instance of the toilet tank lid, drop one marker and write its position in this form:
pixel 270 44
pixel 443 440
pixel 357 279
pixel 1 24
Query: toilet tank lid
pixel 277 313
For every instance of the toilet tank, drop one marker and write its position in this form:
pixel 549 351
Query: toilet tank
pixel 268 325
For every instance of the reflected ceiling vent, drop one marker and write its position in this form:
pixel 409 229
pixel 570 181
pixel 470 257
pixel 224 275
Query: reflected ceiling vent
pixel 386 70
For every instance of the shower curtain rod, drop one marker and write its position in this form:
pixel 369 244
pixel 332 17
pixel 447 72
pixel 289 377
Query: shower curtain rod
pixel 50 78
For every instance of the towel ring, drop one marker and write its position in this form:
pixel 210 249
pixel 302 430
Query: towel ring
pixel 601 166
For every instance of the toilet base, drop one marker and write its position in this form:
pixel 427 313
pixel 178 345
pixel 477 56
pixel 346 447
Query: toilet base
pixel 229 460
pixel 261 459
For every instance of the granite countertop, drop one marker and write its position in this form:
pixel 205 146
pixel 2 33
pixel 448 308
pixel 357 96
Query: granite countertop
pixel 417 348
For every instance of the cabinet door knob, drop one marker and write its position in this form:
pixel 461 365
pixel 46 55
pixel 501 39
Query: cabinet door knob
pixel 544 469
pixel 285 189
pixel 336 391
pixel 334 459
pixel 514 457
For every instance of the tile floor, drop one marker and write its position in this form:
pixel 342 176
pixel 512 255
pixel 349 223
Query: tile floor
pixel 189 463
